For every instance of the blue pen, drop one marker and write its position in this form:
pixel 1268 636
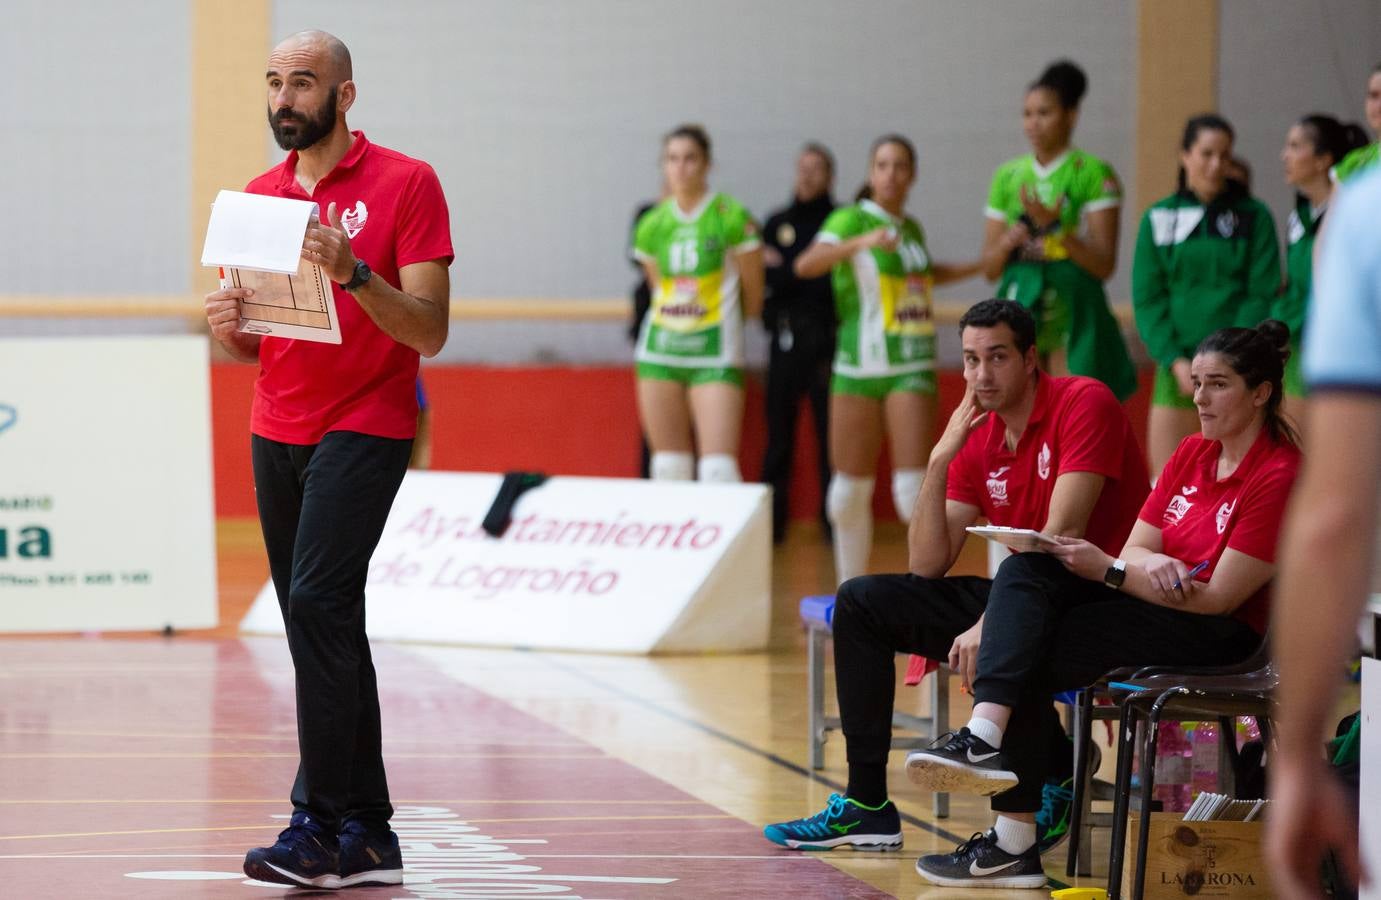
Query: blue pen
pixel 1192 572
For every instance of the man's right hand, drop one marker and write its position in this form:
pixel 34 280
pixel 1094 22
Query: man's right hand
pixel 965 418
pixel 963 655
pixel 223 312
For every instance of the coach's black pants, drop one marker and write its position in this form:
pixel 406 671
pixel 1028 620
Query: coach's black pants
pixel 879 616
pixel 1048 630
pixel 322 508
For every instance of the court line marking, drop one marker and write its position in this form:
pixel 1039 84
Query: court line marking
pixel 792 857
pixel 274 825
pixel 396 801
pixel 243 736
pixel 744 745
pixel 268 755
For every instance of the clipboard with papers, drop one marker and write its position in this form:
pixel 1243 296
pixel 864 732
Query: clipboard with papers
pixel 1022 540
pixel 255 242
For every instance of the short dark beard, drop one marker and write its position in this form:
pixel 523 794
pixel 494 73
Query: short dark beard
pixel 307 131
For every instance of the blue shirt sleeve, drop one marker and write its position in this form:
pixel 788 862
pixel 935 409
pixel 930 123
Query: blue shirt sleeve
pixel 1344 326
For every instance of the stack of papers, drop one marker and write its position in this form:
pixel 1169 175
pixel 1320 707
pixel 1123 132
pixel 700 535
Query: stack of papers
pixel 256 242
pixel 1209 806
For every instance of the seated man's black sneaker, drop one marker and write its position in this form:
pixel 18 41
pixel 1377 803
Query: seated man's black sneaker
pixel 305 855
pixel 960 762
pixel 844 822
pixel 369 856
pixel 980 863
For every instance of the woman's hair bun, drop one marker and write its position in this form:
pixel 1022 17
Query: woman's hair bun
pixel 1278 333
pixel 1066 79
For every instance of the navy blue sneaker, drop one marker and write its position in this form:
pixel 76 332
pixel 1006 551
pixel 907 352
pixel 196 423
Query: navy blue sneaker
pixel 980 863
pixel 960 762
pixel 305 855
pixel 845 822
pixel 369 856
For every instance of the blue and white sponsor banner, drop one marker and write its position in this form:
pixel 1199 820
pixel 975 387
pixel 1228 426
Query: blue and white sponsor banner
pixel 106 517
pixel 599 564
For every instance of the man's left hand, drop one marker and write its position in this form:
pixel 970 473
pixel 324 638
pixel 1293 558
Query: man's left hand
pixel 328 246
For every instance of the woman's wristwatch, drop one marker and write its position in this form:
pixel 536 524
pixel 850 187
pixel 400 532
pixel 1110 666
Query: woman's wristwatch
pixel 1116 574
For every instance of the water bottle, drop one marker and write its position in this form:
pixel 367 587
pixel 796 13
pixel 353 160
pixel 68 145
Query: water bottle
pixel 1174 767
pixel 1205 765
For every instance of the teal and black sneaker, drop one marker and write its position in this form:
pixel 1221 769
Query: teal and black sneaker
pixel 1057 801
pixel 844 822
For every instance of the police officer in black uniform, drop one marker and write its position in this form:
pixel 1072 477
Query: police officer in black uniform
pixel 799 317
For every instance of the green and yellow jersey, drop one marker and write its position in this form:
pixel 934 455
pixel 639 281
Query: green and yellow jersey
pixel 696 317
pixel 1069 303
pixel 882 297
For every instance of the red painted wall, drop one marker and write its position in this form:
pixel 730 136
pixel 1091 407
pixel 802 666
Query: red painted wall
pixel 563 421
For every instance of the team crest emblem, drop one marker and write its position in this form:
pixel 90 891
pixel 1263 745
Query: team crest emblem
pixel 1043 462
pixel 352 220
pixel 786 235
pixel 1226 223
pixel 997 487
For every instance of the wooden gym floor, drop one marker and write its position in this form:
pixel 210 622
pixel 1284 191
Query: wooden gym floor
pixel 143 766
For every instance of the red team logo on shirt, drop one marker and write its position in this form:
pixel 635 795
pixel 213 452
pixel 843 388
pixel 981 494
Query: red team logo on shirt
pixel 352 220
pixel 1177 507
pixel 1043 462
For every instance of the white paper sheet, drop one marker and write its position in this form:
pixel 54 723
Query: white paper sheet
pixel 256 242
pixel 1021 539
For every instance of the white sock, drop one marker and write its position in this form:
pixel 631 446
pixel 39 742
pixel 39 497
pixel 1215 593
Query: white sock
pixel 987 730
pixel 849 504
pixel 718 467
pixel 667 465
pixel 1013 836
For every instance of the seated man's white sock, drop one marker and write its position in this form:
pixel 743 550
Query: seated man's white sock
pixel 1014 836
pixel 987 730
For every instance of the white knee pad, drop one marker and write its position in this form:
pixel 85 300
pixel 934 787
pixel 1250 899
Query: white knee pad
pixel 849 505
pixel 667 466
pixel 906 487
pixel 718 467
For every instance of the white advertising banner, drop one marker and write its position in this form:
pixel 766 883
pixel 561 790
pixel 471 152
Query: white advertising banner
pixel 106 519
pixel 599 564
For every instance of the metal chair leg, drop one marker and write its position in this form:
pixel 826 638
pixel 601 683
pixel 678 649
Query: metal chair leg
pixel 939 724
pixel 1148 781
pixel 815 696
pixel 1083 734
pixel 1126 737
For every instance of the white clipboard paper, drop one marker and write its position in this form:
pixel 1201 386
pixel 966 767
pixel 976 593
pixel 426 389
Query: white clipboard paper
pixel 256 242
pixel 1022 540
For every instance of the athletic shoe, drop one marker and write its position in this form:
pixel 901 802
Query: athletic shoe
pixel 1057 800
pixel 843 822
pixel 960 762
pixel 305 855
pixel 980 863
pixel 369 856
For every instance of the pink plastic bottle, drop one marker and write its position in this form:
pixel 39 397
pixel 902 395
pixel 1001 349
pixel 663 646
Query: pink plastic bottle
pixel 1205 758
pixel 1174 767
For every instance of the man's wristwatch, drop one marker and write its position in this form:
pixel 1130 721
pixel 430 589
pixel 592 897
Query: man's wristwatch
pixel 362 274
pixel 1116 574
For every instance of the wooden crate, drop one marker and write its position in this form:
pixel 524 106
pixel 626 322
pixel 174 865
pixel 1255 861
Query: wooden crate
pixel 1199 859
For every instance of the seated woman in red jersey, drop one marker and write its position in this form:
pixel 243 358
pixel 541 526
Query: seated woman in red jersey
pixel 1191 588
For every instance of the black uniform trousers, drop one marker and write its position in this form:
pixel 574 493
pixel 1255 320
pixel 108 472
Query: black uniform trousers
pixel 322 509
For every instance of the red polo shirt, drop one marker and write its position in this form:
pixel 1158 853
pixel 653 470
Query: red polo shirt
pixel 395 214
pixel 1076 425
pixel 1200 516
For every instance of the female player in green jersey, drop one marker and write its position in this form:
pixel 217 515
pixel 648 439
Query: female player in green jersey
pixel 1364 157
pixel 1313 146
pixel 1051 236
pixel 1206 258
pixel 884 363
pixel 703 259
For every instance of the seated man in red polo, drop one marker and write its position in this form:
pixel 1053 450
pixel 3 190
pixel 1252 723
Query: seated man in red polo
pixel 1023 449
